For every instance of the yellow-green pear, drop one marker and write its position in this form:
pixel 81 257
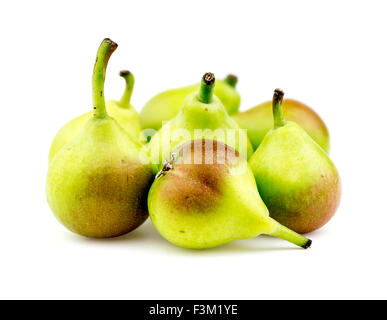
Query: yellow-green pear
pixel 202 116
pixel 296 179
pixel 96 184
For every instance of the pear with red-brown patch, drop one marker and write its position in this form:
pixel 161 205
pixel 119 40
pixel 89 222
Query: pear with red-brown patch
pixel 206 196
pixel 296 179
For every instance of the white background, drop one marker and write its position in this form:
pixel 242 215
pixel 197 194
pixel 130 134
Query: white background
pixel 329 54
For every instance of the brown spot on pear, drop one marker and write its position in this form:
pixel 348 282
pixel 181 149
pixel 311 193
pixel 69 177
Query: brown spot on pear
pixel 194 185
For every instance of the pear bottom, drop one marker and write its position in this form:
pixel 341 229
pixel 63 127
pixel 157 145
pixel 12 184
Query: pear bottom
pixel 100 203
pixel 305 209
pixel 208 228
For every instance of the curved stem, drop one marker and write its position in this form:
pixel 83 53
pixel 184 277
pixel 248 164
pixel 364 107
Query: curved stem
pixel 207 88
pixel 279 120
pixel 105 50
pixel 129 79
pixel 231 80
pixel 284 233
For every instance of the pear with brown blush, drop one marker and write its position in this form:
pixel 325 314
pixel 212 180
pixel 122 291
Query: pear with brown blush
pixel 296 179
pixel 206 196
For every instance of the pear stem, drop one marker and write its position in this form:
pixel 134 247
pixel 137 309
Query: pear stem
pixel 285 233
pixel 129 79
pixel 207 88
pixel 231 80
pixel 105 50
pixel 279 120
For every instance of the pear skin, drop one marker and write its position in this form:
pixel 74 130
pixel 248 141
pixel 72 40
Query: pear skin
pixel 166 105
pixel 298 182
pixel 122 111
pixel 196 114
pixel 259 121
pixel 96 184
pixel 207 196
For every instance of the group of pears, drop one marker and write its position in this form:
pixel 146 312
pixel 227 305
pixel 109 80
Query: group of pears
pixel 274 177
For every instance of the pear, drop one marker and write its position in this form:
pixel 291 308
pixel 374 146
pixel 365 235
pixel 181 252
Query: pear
pixel 166 105
pixel 202 116
pixel 259 120
pixel 206 196
pixel 296 179
pixel 96 184
pixel 122 111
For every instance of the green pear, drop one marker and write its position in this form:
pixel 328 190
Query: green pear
pixel 96 184
pixel 259 120
pixel 122 111
pixel 166 105
pixel 207 196
pixel 202 116
pixel 296 179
